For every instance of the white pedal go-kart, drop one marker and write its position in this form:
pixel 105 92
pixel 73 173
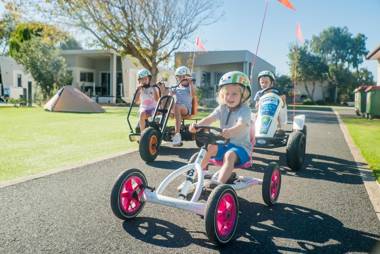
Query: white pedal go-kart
pixel 272 112
pixel 220 211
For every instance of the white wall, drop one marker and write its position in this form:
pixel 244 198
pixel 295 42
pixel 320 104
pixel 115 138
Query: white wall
pixel 320 92
pixel 9 70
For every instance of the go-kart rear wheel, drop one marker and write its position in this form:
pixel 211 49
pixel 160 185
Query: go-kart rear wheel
pixel 222 213
pixel 271 184
pixel 126 196
pixel 149 144
pixel 295 150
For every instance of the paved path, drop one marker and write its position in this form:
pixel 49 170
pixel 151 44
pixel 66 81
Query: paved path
pixel 324 208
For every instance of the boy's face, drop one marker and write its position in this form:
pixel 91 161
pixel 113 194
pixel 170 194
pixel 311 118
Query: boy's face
pixel 265 82
pixel 232 95
pixel 183 80
pixel 144 80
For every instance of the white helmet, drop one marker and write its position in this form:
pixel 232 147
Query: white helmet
pixel 182 71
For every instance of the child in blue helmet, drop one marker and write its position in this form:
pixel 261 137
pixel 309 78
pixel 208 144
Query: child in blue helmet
pixel 147 96
pixel 184 93
pixel 234 116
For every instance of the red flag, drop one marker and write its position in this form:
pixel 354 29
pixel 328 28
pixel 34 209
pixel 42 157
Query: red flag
pixel 287 4
pixel 299 35
pixel 199 44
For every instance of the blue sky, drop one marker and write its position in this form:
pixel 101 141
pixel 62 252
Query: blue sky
pixel 240 26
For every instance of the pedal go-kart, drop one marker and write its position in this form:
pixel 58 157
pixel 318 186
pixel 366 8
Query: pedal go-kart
pixel 156 129
pixel 272 109
pixel 220 211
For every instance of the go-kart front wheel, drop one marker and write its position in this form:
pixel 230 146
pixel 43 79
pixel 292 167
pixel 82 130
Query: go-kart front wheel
pixel 127 194
pixel 271 184
pixel 149 144
pixel 295 150
pixel 222 213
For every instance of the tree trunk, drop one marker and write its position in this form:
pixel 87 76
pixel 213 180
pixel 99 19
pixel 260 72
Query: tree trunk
pixel 310 95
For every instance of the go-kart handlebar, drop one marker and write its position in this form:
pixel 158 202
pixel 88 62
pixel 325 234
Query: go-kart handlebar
pixel 208 128
pixel 206 138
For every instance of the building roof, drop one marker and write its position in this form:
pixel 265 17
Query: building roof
pixel 221 56
pixel 374 55
pixel 94 53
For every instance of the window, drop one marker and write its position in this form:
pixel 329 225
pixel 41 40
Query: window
pixel 86 77
pixel 19 80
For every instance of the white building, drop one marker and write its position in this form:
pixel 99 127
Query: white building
pixel 14 79
pixel 375 55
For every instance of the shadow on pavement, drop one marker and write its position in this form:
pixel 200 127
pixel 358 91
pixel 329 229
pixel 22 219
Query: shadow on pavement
pixel 263 229
pixel 318 167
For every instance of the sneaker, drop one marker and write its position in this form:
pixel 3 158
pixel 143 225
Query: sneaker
pixel 212 184
pixel 232 178
pixel 177 140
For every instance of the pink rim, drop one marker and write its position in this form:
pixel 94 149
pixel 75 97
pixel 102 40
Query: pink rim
pixel 226 215
pixel 128 202
pixel 274 184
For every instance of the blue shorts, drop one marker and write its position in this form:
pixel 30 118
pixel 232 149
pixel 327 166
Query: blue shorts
pixel 242 155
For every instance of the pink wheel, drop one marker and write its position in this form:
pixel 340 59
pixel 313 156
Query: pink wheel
pixel 127 194
pixel 271 184
pixel 221 216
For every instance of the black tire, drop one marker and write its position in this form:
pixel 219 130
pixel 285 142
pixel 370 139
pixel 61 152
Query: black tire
pixel 149 144
pixel 267 187
pixel 211 214
pixel 357 112
pixel 370 116
pixel 116 205
pixel 295 150
pixel 304 130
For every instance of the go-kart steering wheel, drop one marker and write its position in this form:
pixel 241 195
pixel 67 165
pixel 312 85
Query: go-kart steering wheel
pixel 205 136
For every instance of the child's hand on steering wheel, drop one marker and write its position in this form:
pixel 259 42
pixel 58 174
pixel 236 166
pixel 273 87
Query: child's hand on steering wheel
pixel 226 133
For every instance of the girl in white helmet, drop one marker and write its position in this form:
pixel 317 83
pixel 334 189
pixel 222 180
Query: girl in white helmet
pixel 234 116
pixel 184 93
pixel 147 96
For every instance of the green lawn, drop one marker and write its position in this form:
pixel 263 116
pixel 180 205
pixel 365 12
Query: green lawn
pixel 366 135
pixel 33 140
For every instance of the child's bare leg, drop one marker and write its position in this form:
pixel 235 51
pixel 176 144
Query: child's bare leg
pixel 211 151
pixel 179 110
pixel 225 172
pixel 143 117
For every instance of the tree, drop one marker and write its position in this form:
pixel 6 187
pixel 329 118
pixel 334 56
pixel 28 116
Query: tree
pixel 283 83
pixel 70 43
pixel 8 22
pixel 337 45
pixel 43 62
pixel 306 67
pixel 48 34
pixel 341 51
pixel 45 65
pixel 148 30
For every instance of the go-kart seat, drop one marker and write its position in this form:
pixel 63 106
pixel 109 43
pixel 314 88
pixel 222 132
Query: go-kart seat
pixel 252 140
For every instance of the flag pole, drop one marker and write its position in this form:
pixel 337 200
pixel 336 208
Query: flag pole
pixel 258 42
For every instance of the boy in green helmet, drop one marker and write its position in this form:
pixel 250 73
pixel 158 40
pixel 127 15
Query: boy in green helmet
pixel 234 116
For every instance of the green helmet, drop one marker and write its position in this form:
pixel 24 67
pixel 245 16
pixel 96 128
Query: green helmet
pixel 266 74
pixel 236 77
pixel 182 71
pixel 143 73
